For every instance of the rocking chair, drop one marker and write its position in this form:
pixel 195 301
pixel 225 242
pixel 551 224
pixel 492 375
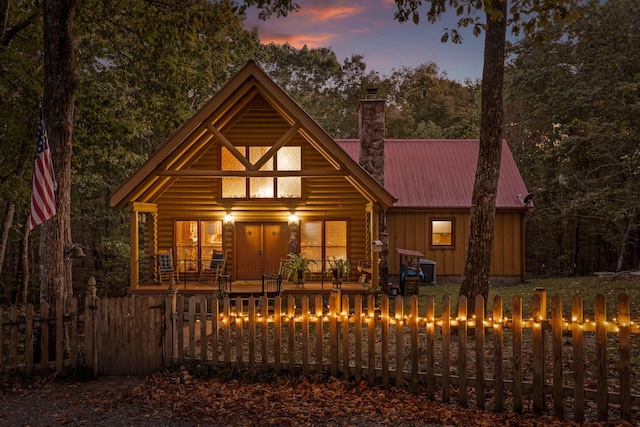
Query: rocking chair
pixel 166 267
pixel 215 268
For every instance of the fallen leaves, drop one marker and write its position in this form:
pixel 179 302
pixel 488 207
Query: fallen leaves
pixel 181 399
pixel 300 402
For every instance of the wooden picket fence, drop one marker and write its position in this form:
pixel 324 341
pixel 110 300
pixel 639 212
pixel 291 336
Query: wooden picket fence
pixel 570 367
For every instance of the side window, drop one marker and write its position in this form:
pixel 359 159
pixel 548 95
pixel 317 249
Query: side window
pixel 442 233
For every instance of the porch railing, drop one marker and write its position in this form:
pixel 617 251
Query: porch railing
pixel 191 271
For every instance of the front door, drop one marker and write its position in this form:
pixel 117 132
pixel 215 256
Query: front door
pixel 259 248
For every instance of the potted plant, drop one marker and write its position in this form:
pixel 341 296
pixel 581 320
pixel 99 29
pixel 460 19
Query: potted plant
pixel 296 267
pixel 338 268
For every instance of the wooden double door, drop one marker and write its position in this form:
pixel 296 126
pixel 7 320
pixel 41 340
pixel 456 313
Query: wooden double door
pixel 259 249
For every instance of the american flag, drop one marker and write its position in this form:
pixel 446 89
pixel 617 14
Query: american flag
pixel 43 199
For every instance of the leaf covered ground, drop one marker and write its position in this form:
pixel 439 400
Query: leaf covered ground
pixel 178 399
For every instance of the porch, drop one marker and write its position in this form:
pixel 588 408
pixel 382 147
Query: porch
pixel 247 288
pixel 196 277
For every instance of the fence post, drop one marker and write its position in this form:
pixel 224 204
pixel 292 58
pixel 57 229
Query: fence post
pixel 371 337
pixel 431 354
pixel 556 348
pixel 542 293
pixel 384 318
pixel 252 331
pixel 264 348
pixel 169 325
pixel 358 337
pixel 414 344
pixel 624 338
pixel 239 332
pixel 344 316
pixel 291 329
pixel 602 389
pixel 334 301
pixel 498 354
pixel 446 348
pixel 538 353
pixel 319 334
pixel 28 338
pixel 516 313
pixel 577 319
pixel 91 328
pixel 479 334
pixel 305 334
pixel 462 351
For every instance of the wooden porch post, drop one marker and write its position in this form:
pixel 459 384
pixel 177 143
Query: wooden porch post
pixel 373 236
pixel 134 238
pixel 150 233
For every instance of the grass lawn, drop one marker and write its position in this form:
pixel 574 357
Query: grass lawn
pixel 588 287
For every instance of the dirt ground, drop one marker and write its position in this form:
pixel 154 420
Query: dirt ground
pixel 176 399
pixel 104 401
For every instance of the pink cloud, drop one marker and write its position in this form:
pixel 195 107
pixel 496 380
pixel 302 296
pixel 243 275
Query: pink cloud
pixel 297 40
pixel 329 12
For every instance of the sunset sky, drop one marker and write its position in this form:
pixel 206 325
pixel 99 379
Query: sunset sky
pixel 367 27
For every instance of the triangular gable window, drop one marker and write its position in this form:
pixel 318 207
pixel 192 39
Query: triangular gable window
pixel 265 185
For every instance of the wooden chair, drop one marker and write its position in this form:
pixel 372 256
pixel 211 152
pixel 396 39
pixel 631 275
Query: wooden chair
pixel 215 268
pixel 271 285
pixel 165 266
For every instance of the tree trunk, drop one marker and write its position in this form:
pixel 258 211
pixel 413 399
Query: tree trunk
pixel 58 106
pixel 475 276
pixel 11 206
pixel 4 234
pixel 4 18
pixel 23 263
pixel 626 237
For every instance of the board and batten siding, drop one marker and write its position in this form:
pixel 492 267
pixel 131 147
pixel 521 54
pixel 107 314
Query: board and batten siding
pixel 411 230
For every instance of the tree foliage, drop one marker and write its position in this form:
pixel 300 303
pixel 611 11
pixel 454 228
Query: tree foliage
pixel 575 99
pixel 327 90
pixel 424 103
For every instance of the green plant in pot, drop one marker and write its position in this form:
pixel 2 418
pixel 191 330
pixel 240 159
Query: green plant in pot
pixel 296 268
pixel 338 268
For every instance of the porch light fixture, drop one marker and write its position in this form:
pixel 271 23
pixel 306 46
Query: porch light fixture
pixel 74 251
pixel 228 218
pixel 293 218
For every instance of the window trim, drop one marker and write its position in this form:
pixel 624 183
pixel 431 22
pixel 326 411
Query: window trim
pixel 433 245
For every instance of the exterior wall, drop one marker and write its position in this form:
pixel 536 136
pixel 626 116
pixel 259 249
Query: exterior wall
pixel 331 197
pixel 411 230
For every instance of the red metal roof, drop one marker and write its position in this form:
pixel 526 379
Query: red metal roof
pixel 440 173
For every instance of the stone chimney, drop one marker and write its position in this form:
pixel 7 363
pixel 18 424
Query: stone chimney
pixel 371 126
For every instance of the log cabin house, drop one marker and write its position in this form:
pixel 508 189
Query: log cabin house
pixel 253 176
